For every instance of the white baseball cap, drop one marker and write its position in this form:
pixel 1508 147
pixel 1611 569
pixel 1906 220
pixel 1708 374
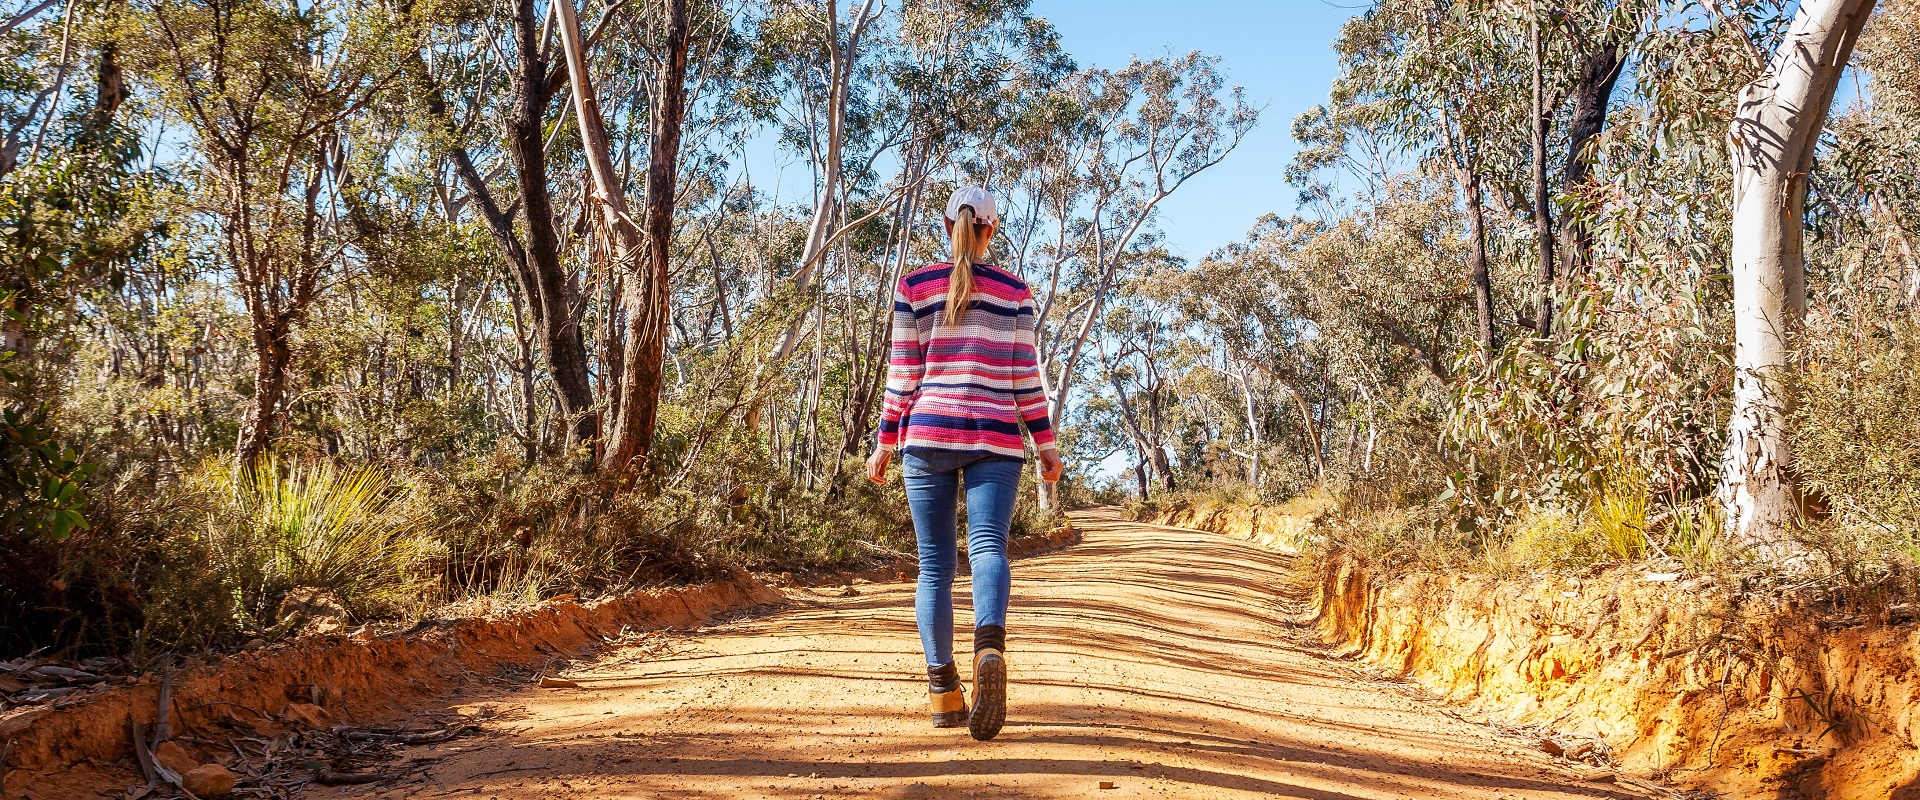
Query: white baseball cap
pixel 975 196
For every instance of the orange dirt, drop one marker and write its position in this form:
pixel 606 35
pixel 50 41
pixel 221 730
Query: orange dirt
pixel 1155 661
pixel 1746 696
pixel 55 753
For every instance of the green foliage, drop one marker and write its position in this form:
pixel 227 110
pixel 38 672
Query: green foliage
pixel 350 533
pixel 1549 538
pixel 1856 439
pixel 1855 434
pixel 41 492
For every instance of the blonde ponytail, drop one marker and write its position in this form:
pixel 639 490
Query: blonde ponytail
pixel 966 250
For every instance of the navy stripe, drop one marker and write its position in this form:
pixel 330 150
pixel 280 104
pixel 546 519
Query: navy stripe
pixel 939 306
pixel 1000 276
pixel 984 271
pixel 933 273
pixel 967 385
pixel 950 423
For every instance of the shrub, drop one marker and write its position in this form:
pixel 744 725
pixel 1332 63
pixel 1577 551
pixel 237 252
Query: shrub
pixel 1549 538
pixel 313 526
pixel 1856 442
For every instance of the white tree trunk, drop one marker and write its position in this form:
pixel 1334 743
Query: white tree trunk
pixel 826 208
pixel 1775 132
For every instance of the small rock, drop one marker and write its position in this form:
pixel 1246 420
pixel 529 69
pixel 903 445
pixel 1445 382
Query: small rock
pixel 211 781
pixel 174 757
pixel 1109 785
pixel 1552 748
pixel 312 610
pixel 307 714
pixel 254 644
pixel 549 682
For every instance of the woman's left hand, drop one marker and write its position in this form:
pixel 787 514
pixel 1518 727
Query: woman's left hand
pixel 1051 466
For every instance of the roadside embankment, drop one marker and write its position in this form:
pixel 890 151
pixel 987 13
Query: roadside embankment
pixel 318 680
pixel 1749 695
pixel 1284 527
pixel 77 746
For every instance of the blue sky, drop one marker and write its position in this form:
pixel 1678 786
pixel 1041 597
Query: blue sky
pixel 1280 50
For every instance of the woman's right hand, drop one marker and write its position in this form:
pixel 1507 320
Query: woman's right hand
pixel 1051 466
pixel 877 465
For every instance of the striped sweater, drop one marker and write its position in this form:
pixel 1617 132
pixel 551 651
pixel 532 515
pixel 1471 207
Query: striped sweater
pixel 966 387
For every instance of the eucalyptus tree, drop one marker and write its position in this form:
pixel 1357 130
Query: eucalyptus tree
pixel 1136 348
pixel 1431 76
pixel 825 50
pixel 1128 139
pixel 646 304
pixel 70 186
pixel 1602 44
pixel 1450 83
pixel 457 71
pixel 264 88
pixel 1776 131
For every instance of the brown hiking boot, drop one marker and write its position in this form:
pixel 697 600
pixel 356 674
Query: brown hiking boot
pixel 989 694
pixel 949 708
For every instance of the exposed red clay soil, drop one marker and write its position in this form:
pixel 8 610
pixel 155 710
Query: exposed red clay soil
pixel 60 753
pixel 1747 696
pixel 1159 661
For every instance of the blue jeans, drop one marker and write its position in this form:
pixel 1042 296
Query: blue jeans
pixel 933 482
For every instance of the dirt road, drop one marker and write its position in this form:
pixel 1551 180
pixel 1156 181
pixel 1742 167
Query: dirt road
pixel 1157 661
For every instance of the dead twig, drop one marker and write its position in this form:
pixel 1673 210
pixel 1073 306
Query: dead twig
pixel 162 728
pixel 1654 623
pixel 330 778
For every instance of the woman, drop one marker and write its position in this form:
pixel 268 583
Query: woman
pixel 962 377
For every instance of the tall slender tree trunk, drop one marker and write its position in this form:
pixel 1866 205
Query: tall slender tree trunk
pixel 646 302
pixel 1478 270
pixel 826 209
pixel 1775 131
pixel 272 354
pixel 1542 204
pixel 1255 443
pixel 550 293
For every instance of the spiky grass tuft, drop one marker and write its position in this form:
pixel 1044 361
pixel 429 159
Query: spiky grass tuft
pixel 312 526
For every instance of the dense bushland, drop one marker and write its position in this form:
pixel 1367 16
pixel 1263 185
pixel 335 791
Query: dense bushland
pixel 343 311
pixel 1504 336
